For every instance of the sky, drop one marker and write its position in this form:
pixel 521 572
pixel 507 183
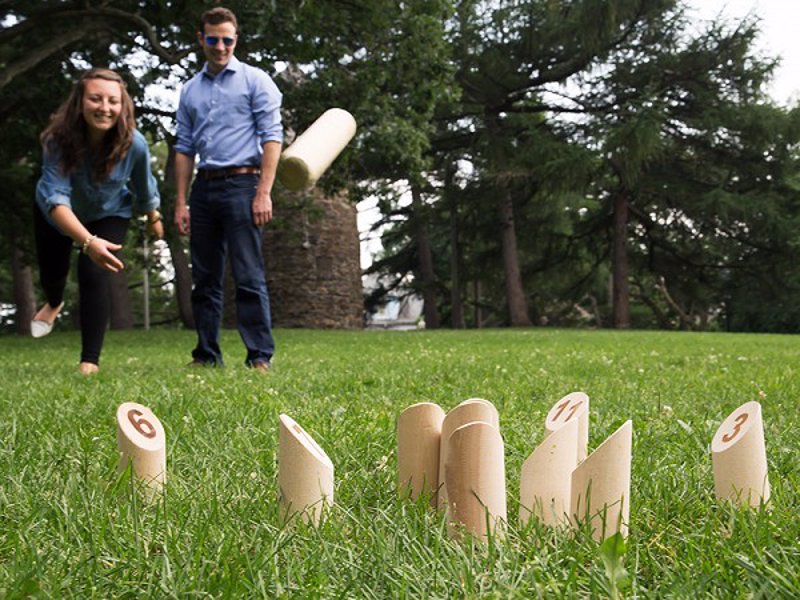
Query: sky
pixel 779 36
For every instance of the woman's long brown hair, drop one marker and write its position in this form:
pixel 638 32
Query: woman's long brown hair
pixel 67 130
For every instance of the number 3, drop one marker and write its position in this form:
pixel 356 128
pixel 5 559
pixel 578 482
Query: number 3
pixel 740 420
pixel 140 423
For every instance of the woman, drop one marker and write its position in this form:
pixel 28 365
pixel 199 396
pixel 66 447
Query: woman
pixel 91 152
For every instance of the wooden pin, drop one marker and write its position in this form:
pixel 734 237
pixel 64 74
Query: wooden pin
pixel 601 485
pixel 313 151
pixel 739 457
pixel 419 435
pixel 142 442
pixel 475 476
pixel 305 474
pixel 571 406
pixel 469 411
pixel 546 477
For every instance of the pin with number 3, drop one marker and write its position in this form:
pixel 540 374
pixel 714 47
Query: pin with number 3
pixel 739 457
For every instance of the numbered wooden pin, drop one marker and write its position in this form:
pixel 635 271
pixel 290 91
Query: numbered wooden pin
pixel 739 457
pixel 546 478
pixel 572 406
pixel 601 486
pixel 469 411
pixel 419 436
pixel 475 476
pixel 305 474
pixel 142 443
pixel 315 149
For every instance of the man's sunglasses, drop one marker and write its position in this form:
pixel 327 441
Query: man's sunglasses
pixel 213 40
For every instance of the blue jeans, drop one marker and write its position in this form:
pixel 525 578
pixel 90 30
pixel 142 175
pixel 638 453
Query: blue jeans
pixel 222 221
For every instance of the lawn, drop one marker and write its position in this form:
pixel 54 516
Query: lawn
pixel 70 528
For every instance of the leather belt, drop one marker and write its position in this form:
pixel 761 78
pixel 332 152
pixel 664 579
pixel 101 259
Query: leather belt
pixel 227 172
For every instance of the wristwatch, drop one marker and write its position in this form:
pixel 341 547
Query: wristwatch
pixel 155 218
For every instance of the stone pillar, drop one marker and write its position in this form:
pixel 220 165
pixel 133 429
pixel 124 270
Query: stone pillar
pixel 311 250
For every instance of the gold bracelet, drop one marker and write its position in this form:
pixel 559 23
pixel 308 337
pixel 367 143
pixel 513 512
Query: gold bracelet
pixel 87 243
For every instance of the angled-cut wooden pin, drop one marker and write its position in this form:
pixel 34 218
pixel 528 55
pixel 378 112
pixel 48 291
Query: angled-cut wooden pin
pixel 313 151
pixel 419 435
pixel 572 406
pixel 739 457
pixel 601 485
pixel 305 474
pixel 546 477
pixel 142 442
pixel 469 411
pixel 475 476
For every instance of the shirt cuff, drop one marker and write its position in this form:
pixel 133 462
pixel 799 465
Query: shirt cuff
pixel 56 199
pixel 272 137
pixel 185 149
pixel 154 203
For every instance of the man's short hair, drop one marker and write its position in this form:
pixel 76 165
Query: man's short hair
pixel 218 15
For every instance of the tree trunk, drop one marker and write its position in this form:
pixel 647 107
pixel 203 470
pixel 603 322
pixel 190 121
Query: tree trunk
pixel 24 297
pixel 621 291
pixel 425 255
pixel 456 286
pixel 180 260
pixel 478 311
pixel 121 314
pixel 515 293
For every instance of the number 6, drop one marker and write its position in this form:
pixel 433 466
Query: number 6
pixel 142 422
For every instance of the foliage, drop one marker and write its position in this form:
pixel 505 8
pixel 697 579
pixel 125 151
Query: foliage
pixel 612 552
pixel 561 107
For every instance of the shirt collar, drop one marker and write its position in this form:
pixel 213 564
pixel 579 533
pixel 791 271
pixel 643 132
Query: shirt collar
pixel 233 66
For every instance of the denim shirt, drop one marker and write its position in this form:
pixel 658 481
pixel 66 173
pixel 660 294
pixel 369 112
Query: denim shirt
pixel 91 200
pixel 228 118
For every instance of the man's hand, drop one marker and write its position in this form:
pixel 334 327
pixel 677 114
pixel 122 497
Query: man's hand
pixel 262 208
pixel 182 219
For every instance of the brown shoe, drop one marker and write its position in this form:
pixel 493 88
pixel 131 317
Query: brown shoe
pixel 263 367
pixel 199 363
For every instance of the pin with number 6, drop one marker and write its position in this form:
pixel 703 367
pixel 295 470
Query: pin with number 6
pixel 141 441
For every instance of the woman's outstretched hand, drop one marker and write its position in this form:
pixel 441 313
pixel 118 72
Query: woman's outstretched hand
pixel 100 251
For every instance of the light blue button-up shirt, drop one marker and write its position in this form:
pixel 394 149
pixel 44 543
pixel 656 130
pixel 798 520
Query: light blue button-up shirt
pixel 91 200
pixel 228 118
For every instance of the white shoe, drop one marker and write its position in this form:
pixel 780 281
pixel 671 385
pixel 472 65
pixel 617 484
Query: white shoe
pixel 40 328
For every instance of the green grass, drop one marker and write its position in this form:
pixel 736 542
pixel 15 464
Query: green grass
pixel 70 528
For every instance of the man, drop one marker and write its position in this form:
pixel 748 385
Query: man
pixel 229 115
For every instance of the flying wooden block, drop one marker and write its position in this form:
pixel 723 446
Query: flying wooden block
pixel 419 435
pixel 601 485
pixel 475 477
pixel 315 149
pixel 572 406
pixel 142 442
pixel 472 410
pixel 739 457
pixel 546 477
pixel 305 474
